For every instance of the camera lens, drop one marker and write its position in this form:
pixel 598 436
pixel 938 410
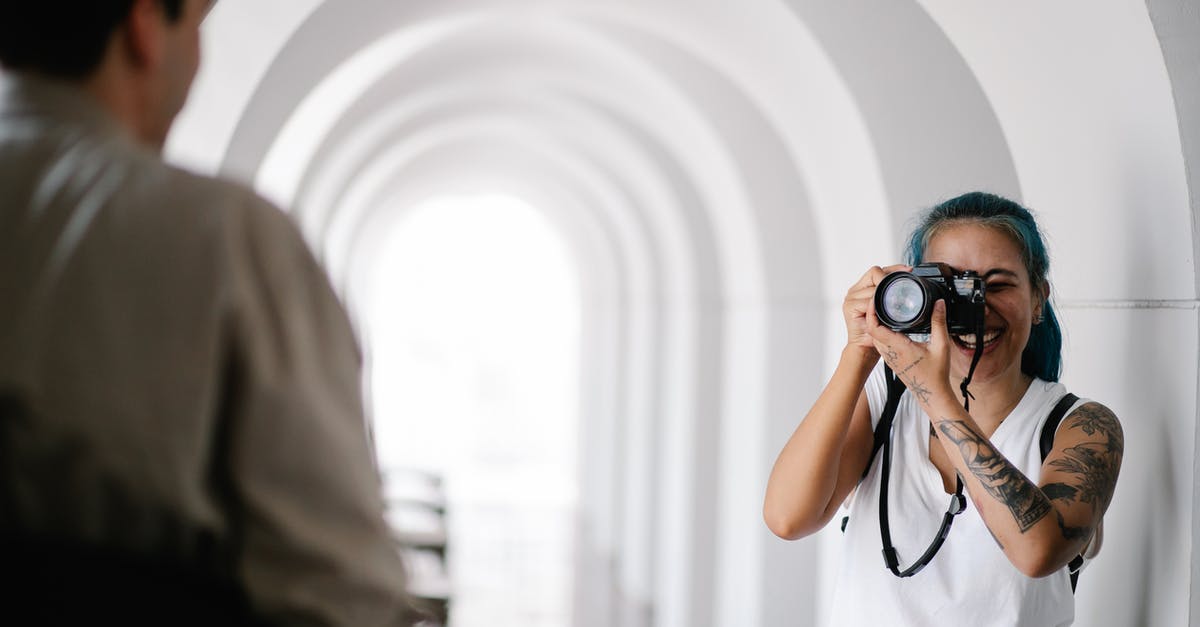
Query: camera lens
pixel 903 299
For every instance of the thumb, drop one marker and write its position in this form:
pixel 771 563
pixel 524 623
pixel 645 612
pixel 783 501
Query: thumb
pixel 937 322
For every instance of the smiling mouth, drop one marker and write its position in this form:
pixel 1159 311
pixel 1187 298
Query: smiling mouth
pixel 967 341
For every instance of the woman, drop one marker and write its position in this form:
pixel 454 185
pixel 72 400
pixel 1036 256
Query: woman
pixel 1004 560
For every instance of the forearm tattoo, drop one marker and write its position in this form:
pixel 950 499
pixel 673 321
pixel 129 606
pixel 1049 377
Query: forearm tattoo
pixel 999 478
pixel 916 387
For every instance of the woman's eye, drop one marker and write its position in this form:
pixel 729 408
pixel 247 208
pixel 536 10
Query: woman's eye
pixel 995 287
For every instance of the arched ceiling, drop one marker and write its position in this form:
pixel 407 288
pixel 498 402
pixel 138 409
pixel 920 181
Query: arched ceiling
pixel 873 113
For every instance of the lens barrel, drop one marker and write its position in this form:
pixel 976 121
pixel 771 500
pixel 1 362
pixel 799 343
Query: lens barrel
pixel 904 302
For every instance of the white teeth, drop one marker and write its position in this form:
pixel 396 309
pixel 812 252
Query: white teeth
pixel 969 340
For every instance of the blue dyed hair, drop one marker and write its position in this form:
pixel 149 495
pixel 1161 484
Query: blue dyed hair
pixel 1042 357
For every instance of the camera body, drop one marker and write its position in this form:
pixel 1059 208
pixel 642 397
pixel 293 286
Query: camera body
pixel 904 300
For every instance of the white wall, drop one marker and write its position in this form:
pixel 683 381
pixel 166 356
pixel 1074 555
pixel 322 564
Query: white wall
pixel 724 172
pixel 1085 101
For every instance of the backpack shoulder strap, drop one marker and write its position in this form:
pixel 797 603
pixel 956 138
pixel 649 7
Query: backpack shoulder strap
pixel 883 429
pixel 1051 426
pixel 1047 444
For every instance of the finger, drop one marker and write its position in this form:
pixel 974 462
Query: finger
pixel 872 319
pixel 877 330
pixel 877 273
pixel 882 334
pixel 868 279
pixel 938 336
pixel 857 308
pixel 862 293
pixel 866 291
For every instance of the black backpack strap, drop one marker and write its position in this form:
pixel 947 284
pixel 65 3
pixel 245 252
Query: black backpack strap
pixel 1051 427
pixel 1047 444
pixel 895 389
pixel 1074 566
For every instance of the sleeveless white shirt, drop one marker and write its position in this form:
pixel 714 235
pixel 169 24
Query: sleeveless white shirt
pixel 969 581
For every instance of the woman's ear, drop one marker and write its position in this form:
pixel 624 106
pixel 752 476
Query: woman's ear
pixel 1039 307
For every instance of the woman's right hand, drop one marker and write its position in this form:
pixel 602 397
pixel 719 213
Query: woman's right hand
pixel 861 299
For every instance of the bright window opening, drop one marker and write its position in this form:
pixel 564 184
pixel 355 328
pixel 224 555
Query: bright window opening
pixel 473 336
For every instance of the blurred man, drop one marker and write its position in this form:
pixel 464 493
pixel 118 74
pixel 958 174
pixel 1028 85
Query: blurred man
pixel 181 432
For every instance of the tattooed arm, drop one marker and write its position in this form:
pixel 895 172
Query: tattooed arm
pixel 1080 473
pixel 1041 528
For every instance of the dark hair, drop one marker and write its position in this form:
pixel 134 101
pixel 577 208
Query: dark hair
pixel 63 39
pixel 1042 357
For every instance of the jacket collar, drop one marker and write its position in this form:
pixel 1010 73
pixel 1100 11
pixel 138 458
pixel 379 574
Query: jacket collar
pixel 38 99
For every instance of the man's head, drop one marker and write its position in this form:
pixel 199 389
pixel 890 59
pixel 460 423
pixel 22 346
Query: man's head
pixel 64 39
pixel 138 56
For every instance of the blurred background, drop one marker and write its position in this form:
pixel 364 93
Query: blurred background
pixel 595 251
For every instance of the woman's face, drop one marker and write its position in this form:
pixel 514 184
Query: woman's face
pixel 1012 303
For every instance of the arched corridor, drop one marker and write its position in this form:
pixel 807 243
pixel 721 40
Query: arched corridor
pixel 719 173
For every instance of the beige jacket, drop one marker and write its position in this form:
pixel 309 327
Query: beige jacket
pixel 189 382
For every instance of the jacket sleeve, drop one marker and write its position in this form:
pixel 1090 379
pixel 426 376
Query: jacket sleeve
pixel 314 548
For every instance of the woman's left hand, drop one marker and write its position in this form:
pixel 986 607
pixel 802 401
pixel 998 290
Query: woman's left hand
pixel 924 368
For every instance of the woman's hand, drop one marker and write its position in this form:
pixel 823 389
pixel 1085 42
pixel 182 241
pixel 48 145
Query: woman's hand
pixel 924 368
pixel 859 302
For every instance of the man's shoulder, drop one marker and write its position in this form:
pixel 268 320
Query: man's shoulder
pixel 152 175
pixel 130 179
pixel 186 196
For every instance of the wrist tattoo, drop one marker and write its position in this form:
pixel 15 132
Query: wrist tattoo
pixel 910 366
pixel 919 390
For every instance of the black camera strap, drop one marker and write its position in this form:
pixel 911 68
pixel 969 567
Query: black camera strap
pixel 966 394
pixel 883 437
pixel 958 503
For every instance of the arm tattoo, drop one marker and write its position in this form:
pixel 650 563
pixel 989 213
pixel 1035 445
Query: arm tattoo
pixel 921 391
pixel 1093 465
pixel 1071 533
pixel 1095 418
pixel 1060 491
pixel 910 366
pixel 1095 471
pixel 915 386
pixel 999 477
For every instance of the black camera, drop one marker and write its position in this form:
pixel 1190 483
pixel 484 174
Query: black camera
pixel 904 300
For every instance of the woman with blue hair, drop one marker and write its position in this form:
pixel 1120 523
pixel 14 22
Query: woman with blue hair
pixel 979 411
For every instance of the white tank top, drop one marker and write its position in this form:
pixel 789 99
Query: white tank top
pixel 969 581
